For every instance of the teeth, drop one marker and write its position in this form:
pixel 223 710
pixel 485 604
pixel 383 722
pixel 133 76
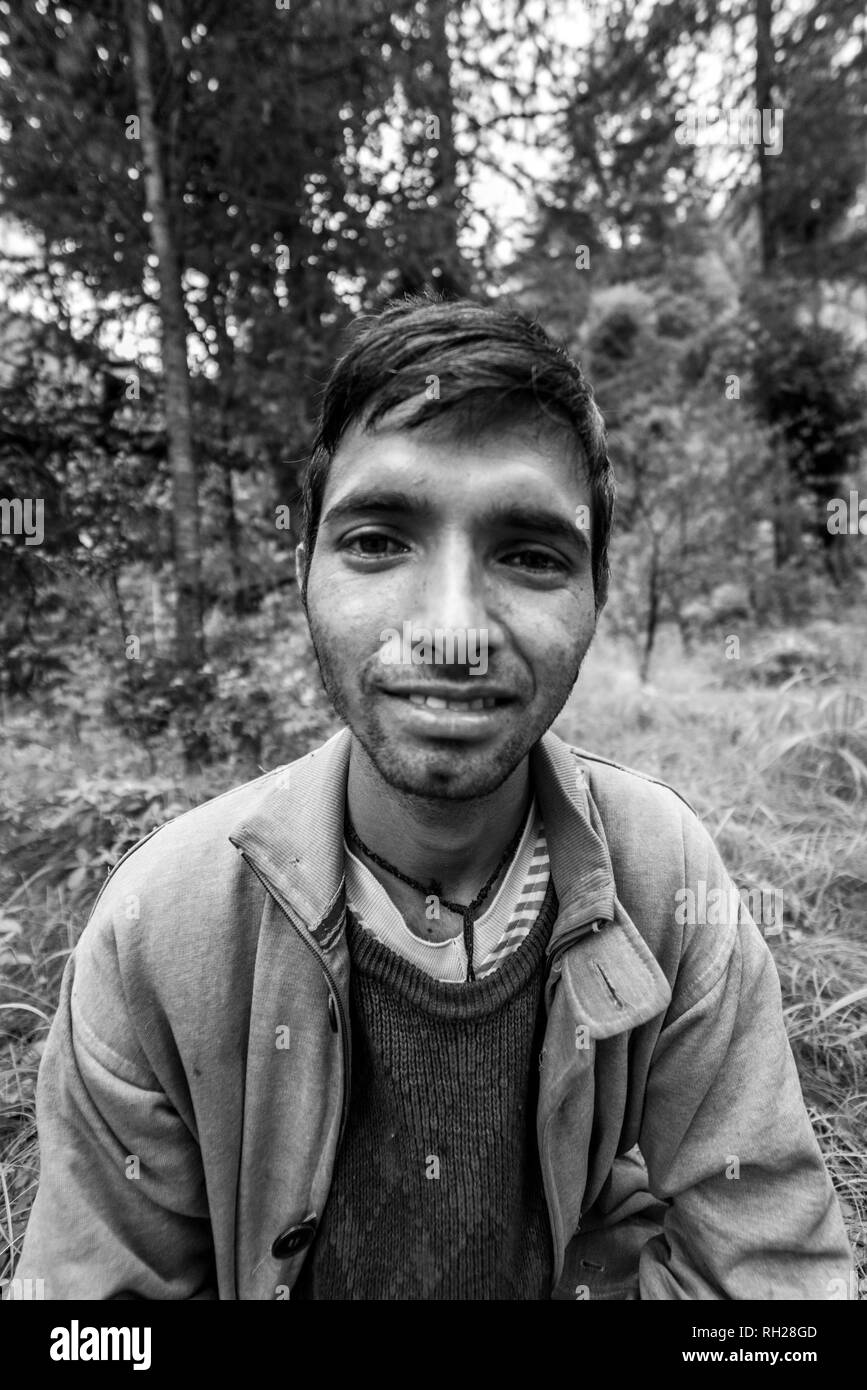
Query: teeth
pixel 434 702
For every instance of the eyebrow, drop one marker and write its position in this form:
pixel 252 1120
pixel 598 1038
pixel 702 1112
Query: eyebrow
pixel 515 516
pixel 378 502
pixel 542 520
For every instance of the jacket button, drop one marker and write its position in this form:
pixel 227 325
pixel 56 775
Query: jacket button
pixel 294 1238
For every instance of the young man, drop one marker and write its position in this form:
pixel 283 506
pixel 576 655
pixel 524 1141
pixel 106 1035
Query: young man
pixel 414 1017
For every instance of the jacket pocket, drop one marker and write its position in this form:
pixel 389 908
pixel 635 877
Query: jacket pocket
pixel 603 1263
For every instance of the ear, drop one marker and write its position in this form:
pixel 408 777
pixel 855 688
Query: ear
pixel 301 569
pixel 600 593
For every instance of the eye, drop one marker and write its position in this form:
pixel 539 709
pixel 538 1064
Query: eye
pixel 374 545
pixel 538 561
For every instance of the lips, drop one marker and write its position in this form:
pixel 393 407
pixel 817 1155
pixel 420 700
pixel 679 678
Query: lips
pixel 442 695
pixel 457 712
pixel 434 702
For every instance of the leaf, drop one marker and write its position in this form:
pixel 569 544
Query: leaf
pixel 27 1009
pixel 9 957
pixel 853 1037
pixel 853 998
pixel 77 877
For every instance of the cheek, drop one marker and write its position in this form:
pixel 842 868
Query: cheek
pixel 342 618
pixel 322 614
pixel 553 636
pixel 355 604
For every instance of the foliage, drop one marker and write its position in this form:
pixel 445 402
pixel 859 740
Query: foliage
pixel 811 378
pixel 151 693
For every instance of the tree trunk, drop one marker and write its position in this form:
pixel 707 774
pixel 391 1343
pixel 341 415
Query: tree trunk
pixel 787 525
pixel 452 276
pixel 189 640
pixel 233 533
pixel 226 367
pixel 430 252
pixel 764 102
pixel 652 619
pixel 784 533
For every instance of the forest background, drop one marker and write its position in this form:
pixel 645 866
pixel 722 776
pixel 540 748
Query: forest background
pixel 196 200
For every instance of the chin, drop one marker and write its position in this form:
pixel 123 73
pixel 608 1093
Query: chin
pixel 454 775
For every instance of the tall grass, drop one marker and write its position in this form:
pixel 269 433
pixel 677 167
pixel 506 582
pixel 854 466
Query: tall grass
pixel 71 806
pixel 778 772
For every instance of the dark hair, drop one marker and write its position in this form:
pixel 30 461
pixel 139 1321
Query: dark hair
pixel 491 365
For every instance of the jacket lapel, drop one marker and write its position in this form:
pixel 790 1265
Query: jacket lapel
pixel 613 980
pixel 603 982
pixel 298 1058
pixel 292 1107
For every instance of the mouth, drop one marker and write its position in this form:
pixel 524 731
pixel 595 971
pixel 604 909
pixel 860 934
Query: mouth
pixel 452 695
pixel 449 714
pixel 437 702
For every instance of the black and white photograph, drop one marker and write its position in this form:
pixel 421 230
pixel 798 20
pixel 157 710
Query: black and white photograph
pixel 433 663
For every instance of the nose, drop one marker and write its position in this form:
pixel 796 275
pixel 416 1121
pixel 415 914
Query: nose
pixel 454 593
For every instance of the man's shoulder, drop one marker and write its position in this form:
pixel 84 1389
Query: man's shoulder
pixel 647 823
pixel 183 893
pixel 194 837
pixel 192 852
pixel 615 782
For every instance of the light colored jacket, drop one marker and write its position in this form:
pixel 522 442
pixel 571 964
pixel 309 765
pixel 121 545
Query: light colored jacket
pixel 195 1081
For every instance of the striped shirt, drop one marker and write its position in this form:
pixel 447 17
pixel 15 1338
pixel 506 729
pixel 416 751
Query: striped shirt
pixel 498 931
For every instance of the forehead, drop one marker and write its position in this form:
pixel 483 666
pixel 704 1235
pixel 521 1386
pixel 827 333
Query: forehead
pixel 462 468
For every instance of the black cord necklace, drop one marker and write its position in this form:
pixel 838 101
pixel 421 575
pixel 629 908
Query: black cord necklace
pixel 467 911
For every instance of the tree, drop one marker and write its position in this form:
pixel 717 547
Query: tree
pixel 189 642
pixel 650 209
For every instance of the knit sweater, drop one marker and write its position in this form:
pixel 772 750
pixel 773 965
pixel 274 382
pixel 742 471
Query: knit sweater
pixel 437 1190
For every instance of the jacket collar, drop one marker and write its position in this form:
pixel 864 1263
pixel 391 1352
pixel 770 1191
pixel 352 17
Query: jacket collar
pixel 612 979
pixel 294 839
pixel 294 842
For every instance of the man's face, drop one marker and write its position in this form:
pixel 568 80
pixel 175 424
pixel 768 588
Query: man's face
pixel 419 535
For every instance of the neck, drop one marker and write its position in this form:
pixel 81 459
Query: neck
pixel 457 843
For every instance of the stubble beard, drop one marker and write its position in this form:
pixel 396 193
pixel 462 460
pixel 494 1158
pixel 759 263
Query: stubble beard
pixel 465 774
